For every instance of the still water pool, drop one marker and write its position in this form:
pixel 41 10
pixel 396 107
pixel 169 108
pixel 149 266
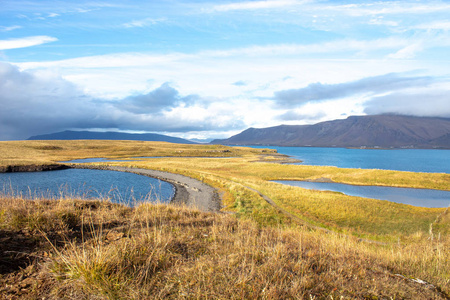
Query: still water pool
pixel 119 187
pixel 416 197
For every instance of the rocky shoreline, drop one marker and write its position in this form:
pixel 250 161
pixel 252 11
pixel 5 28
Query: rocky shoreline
pixel 32 168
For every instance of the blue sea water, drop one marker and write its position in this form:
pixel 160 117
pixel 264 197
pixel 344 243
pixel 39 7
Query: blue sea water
pixel 416 197
pixel 414 160
pixel 119 187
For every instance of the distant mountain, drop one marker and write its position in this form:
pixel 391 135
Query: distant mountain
pixel 202 141
pixel 384 131
pixel 92 135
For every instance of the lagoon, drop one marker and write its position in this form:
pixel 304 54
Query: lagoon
pixel 414 160
pixel 415 197
pixel 119 187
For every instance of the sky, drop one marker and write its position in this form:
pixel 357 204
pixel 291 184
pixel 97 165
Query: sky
pixel 210 69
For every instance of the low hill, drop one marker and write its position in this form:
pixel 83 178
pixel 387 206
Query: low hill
pixel 385 131
pixel 111 135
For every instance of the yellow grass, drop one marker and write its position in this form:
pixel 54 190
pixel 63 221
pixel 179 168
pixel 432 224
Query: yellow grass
pixel 233 170
pixel 417 239
pixel 107 251
pixel 41 152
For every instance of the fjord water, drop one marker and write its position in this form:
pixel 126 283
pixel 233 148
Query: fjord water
pixel 416 197
pixel 119 187
pixel 414 160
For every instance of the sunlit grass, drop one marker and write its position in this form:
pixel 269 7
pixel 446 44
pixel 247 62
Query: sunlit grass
pixel 159 251
pixel 38 152
pixel 238 168
pixel 357 215
pixel 363 217
pixel 254 251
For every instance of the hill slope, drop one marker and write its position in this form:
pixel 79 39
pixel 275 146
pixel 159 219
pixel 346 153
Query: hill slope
pixel 91 135
pixel 357 131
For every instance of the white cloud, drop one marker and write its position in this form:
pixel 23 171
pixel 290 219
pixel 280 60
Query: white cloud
pixel 252 5
pixel 388 8
pixel 270 46
pixel 317 92
pixel 9 28
pixel 354 9
pixel 143 23
pixel 277 52
pixel 379 20
pixel 428 102
pixel 437 25
pixel 25 42
pixel 263 68
pixel 407 52
pixel 118 60
pixel 337 46
pixel 42 102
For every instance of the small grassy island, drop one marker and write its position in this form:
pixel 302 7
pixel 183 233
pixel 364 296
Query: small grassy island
pixel 268 241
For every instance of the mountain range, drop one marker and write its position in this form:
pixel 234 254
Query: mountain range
pixel 93 135
pixel 375 131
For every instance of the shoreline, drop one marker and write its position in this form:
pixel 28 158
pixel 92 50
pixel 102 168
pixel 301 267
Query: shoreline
pixel 189 192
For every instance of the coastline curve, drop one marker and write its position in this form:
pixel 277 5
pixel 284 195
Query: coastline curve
pixel 188 191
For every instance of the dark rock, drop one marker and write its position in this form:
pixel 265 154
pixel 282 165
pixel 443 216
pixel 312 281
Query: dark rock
pixel 32 168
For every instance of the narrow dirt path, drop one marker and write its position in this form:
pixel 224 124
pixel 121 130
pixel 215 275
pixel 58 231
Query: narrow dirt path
pixel 285 212
pixel 301 221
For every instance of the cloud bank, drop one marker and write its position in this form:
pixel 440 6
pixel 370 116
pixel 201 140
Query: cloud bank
pixel 316 92
pixel 42 102
pixel 430 104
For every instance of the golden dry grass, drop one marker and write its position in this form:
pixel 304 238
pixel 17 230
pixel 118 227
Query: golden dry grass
pixel 369 218
pixel 44 152
pixel 233 170
pixel 265 253
pixel 107 251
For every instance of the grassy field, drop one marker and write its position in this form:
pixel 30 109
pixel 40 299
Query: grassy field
pixel 44 152
pixel 98 250
pixel 259 251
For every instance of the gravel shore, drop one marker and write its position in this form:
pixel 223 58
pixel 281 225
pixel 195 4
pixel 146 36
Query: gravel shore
pixel 188 191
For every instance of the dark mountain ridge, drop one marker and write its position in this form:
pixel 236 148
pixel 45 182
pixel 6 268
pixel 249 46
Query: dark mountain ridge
pixel 110 135
pixel 383 131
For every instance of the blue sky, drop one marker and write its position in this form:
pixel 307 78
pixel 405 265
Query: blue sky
pixel 210 69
